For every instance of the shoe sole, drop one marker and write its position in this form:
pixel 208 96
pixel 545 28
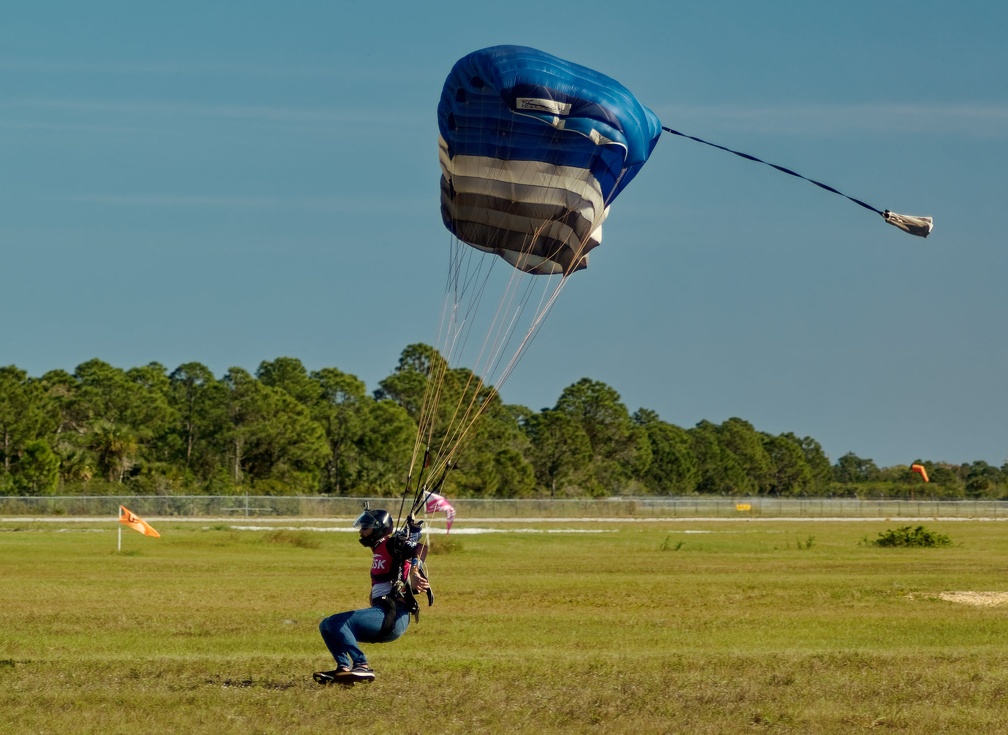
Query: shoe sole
pixel 325 678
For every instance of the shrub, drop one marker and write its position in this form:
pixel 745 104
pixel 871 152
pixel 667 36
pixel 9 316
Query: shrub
pixel 905 536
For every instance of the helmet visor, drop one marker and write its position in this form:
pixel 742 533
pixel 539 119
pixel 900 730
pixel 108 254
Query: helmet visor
pixel 367 519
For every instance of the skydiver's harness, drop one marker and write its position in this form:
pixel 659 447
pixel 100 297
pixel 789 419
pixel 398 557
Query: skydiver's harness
pixel 400 545
pixel 408 557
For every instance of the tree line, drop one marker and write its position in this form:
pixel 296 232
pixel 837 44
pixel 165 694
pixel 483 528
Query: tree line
pixel 287 431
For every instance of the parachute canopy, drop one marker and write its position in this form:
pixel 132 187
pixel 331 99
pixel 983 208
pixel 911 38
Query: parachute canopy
pixel 533 151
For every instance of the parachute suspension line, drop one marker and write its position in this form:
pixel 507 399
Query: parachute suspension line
pixel 507 331
pixel 497 345
pixel 402 503
pixel 506 319
pixel 539 313
pixel 461 278
pixel 455 335
pixel 913 224
pixel 458 348
pixel 491 352
pixel 435 376
pixel 436 370
pixel 480 401
pixel 496 348
pixel 464 291
pixel 546 304
pixel 547 299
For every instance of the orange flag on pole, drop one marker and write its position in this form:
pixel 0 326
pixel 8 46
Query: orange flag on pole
pixel 129 518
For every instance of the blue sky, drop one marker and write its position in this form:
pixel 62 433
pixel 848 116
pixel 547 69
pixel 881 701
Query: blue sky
pixel 233 182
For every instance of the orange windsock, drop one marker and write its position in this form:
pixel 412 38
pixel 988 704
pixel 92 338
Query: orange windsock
pixel 129 518
pixel 919 468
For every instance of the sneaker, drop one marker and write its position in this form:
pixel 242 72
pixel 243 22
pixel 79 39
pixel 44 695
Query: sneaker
pixel 329 677
pixel 362 672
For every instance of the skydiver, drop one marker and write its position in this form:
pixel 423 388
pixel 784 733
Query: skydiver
pixel 394 556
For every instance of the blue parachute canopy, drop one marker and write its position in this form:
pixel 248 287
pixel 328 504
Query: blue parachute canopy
pixel 533 151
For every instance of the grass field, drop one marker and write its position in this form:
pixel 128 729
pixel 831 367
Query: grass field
pixel 647 627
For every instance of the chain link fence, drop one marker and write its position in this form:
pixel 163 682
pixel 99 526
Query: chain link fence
pixel 256 506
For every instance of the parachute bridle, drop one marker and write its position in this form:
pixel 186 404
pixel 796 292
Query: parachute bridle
pixel 913 224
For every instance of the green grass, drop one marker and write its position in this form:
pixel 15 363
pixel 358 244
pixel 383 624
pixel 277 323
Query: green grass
pixel 685 627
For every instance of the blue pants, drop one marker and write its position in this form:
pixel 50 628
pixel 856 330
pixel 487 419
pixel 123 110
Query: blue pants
pixel 343 631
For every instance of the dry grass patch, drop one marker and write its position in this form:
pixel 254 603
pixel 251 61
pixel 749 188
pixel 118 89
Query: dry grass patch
pixel 976 599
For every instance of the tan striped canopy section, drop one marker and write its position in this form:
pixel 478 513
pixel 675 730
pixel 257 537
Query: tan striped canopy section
pixel 539 217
